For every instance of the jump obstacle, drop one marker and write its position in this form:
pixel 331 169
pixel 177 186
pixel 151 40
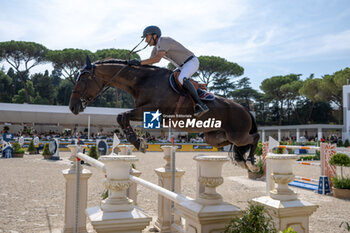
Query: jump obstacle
pixel 327 171
pixel 176 212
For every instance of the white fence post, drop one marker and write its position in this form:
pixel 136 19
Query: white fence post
pixel 282 203
pixel 70 199
pixel 213 214
pixel 163 222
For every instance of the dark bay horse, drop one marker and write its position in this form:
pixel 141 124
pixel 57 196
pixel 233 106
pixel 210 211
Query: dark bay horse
pixel 150 90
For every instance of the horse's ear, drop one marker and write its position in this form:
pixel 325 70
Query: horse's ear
pixel 88 63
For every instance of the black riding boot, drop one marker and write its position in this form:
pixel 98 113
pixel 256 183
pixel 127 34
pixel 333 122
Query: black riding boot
pixel 200 107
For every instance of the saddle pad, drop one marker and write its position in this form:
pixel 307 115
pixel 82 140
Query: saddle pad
pixel 203 95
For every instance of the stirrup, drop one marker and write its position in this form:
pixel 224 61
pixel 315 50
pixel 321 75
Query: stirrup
pixel 201 111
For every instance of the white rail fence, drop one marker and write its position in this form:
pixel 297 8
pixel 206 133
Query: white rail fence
pixel 120 213
pixel 176 212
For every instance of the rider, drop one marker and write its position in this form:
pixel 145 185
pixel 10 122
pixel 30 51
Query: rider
pixel 177 54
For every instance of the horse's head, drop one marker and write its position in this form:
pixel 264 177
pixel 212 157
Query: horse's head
pixel 87 87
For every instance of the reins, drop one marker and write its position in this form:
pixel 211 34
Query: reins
pixel 133 52
pixel 104 88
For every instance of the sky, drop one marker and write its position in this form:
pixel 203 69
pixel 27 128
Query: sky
pixel 266 37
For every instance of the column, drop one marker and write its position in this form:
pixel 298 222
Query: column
pixel 298 135
pixel 263 136
pixel 89 127
pixel 319 133
pixel 163 222
pixel 279 135
pixel 70 176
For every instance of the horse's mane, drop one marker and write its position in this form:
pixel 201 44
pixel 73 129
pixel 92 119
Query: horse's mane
pixel 120 61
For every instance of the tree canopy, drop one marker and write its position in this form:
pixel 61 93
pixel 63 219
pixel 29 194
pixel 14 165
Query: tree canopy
pixel 285 99
pixel 23 56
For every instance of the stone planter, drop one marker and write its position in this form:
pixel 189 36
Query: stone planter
pixel 341 193
pixel 15 155
pixel 167 155
pixel 209 178
pixel 126 149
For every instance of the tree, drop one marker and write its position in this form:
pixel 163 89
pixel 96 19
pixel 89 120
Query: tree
pixel 22 53
pixel 43 88
pixel 16 81
pixel 69 61
pixel 56 77
pixel 274 91
pixel 115 53
pixel 21 97
pixel 64 91
pixel 212 67
pixel 5 88
pixel 332 86
pixel 311 89
pixel 222 86
pixel 291 92
pixel 244 94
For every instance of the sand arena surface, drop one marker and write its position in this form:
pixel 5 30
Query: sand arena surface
pixel 32 191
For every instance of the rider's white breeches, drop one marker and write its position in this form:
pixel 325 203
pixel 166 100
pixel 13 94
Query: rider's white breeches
pixel 188 69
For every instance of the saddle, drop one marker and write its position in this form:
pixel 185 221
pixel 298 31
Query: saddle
pixel 201 87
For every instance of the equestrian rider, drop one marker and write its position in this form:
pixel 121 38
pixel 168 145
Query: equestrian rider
pixel 182 58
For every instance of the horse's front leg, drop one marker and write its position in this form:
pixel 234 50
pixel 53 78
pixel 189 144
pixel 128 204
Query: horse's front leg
pixel 124 122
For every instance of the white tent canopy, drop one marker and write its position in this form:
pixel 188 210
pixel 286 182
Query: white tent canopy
pixel 50 114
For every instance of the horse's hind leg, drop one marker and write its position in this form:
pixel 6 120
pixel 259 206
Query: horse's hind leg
pixel 243 142
pixel 256 137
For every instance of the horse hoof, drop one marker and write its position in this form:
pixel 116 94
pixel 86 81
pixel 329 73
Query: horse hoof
pixel 142 147
pixel 251 167
pixel 241 164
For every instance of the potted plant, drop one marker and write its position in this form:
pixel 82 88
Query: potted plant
pixel 18 151
pixel 31 148
pixel 93 153
pixel 254 219
pixel 341 185
pixel 46 151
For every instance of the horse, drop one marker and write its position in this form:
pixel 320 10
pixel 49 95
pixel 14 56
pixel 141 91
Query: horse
pixel 150 90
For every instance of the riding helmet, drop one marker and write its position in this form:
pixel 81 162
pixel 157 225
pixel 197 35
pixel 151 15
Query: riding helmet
pixel 151 30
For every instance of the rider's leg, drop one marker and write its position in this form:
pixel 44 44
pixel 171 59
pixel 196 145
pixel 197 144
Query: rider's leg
pixel 187 70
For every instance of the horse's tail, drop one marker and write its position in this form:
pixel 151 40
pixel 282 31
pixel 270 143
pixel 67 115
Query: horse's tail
pixel 254 128
pixel 239 151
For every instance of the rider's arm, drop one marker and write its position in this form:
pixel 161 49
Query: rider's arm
pixel 154 59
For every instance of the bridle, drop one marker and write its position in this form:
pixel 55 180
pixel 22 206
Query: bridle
pixel 84 98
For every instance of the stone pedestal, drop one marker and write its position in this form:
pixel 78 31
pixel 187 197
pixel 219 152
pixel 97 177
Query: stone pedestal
pixel 70 176
pixel 282 203
pixel 117 213
pixel 208 213
pixel 294 214
pixel 208 218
